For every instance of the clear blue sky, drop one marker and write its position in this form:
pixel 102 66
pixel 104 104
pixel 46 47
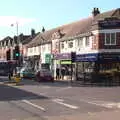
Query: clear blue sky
pixel 47 13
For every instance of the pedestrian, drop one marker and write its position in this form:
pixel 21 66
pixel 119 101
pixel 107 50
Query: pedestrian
pixel 63 73
pixel 10 74
pixel 57 73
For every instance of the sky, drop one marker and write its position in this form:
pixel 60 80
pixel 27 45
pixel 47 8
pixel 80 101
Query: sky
pixel 34 14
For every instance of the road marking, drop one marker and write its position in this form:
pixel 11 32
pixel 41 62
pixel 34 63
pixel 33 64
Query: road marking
pixel 61 89
pixel 34 105
pixel 102 103
pixel 60 101
pixel 45 87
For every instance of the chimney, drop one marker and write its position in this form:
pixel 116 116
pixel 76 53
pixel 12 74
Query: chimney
pixel 32 32
pixel 95 11
pixel 43 29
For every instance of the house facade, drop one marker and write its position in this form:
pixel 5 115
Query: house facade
pixel 94 41
pixel 83 47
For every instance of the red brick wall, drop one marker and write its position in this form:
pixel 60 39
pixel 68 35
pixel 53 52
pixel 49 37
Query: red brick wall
pixel 95 42
pixel 100 38
pixel 118 39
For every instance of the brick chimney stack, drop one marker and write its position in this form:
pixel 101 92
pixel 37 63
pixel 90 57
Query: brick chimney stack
pixel 32 32
pixel 95 11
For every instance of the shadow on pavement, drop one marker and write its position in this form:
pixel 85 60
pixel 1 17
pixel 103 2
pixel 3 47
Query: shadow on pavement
pixel 8 93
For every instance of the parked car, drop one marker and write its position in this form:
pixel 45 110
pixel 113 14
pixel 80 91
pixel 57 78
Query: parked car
pixel 44 75
pixel 27 73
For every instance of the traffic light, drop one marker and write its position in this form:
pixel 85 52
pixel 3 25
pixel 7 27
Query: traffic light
pixel 17 53
pixel 8 55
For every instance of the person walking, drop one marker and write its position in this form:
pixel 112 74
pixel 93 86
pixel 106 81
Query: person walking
pixel 10 74
pixel 57 73
pixel 63 73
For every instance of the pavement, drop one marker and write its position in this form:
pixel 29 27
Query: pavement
pixel 114 115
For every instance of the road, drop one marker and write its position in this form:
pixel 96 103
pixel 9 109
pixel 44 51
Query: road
pixel 51 101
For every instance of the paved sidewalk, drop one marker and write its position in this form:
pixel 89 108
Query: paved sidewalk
pixel 111 115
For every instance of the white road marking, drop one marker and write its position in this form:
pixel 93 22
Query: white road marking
pixel 61 89
pixel 34 105
pixel 60 101
pixel 43 94
pixel 45 86
pixel 105 104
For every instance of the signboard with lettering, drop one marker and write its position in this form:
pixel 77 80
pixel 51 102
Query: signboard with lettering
pixel 62 56
pixel 109 57
pixel 99 57
pixel 48 58
pixel 87 57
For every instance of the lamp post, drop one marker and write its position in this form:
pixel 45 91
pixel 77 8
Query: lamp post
pixel 17 44
pixel 16 24
pixel 17 32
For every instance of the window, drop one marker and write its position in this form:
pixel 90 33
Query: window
pixel 70 44
pixel 87 42
pixel 80 42
pixel 62 45
pixel 57 45
pixel 31 50
pixel 110 39
pixel 49 47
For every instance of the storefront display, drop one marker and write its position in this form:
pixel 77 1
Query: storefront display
pixel 89 65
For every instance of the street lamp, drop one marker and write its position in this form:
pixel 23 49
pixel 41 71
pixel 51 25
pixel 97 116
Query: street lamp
pixel 16 24
pixel 17 46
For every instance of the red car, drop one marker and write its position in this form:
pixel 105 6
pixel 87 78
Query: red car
pixel 44 75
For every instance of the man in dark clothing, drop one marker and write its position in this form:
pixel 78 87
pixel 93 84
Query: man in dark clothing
pixel 63 73
pixel 10 74
pixel 57 73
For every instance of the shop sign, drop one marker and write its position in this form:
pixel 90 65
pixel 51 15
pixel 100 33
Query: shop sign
pixel 86 57
pixel 48 58
pixel 109 57
pixel 66 62
pixel 62 56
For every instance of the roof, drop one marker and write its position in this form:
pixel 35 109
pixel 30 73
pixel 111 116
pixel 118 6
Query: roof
pixel 106 14
pixel 70 30
pixel 27 39
pixel 6 39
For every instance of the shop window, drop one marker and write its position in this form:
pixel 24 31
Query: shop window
pixel 110 39
pixel 109 67
pixel 89 66
pixel 87 42
pixel 70 44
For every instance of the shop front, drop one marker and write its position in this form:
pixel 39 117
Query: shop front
pixel 33 62
pixel 65 64
pixel 48 61
pixel 97 66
